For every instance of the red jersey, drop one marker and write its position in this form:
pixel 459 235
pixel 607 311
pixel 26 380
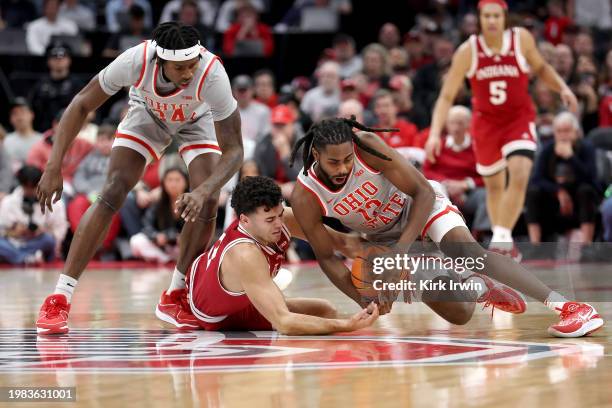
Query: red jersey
pixel 500 81
pixel 210 301
pixel 405 137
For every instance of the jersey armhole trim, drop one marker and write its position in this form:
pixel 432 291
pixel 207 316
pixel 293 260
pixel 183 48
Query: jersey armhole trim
pixel 323 208
pixel 474 59
pixel 363 163
pixel 204 75
pixel 144 66
pixel 518 53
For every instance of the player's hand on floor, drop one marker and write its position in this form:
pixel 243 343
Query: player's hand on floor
pixel 364 318
pixel 189 205
pixel 49 189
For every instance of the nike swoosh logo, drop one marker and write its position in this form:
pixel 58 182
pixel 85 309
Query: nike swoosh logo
pixel 188 54
pixel 329 201
pixel 71 285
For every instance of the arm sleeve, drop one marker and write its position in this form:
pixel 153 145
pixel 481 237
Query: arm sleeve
pixel 123 71
pixel 217 92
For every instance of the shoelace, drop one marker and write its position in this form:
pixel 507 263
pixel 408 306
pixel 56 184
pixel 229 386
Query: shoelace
pixel 53 308
pixel 565 313
pixel 488 303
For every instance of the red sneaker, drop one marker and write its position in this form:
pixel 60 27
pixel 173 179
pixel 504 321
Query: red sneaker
pixel 576 320
pixel 53 315
pixel 174 308
pixel 501 297
pixel 513 252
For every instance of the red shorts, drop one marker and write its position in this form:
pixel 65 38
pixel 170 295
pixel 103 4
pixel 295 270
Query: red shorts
pixel 236 312
pixel 495 140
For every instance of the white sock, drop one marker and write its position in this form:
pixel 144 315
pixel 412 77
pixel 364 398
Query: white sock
pixel 65 286
pixel 479 285
pixel 177 282
pixel 555 302
pixel 501 234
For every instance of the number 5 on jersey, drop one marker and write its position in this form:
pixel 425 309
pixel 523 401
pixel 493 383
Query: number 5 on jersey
pixel 497 90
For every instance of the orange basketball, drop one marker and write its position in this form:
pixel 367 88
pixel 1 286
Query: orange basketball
pixel 361 272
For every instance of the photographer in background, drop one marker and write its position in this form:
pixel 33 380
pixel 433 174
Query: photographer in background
pixel 27 236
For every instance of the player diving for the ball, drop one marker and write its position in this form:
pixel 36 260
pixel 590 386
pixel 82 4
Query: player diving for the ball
pixel 359 180
pixel 231 287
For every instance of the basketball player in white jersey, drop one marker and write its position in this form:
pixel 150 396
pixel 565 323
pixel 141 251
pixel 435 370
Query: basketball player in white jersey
pixel 178 91
pixel 371 189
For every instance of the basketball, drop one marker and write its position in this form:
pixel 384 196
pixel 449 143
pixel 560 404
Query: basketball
pixel 361 271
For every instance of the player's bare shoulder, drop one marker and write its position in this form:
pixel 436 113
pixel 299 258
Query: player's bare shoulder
pixel 243 256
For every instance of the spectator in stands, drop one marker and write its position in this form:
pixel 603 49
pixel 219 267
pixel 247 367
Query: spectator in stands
pixel 133 34
pixel 18 143
pixel 29 236
pixel 349 108
pixel 190 13
pixel 389 36
pixel 428 79
pixel 273 153
pixel 41 151
pixel 300 85
pixel 255 116
pixel 17 13
pixel 144 194
pixel 405 139
pixel 79 14
pixel 158 242
pixel 563 62
pixel 325 97
pixel 265 88
pixel 455 169
pixel 585 88
pixel 606 217
pixel 401 89
pixel 417 53
pixel 398 60
pixel 376 68
pixel 287 97
pixel 40 31
pixel 548 51
pixel 343 47
pixel 557 21
pixel 548 105
pixel 117 14
pixel 605 91
pixel 55 90
pixel 248 36
pixel 7 177
pixel 469 26
pixel 88 182
pixel 207 10
pixel 564 191
pixel 583 45
pixel 348 90
pixel 228 11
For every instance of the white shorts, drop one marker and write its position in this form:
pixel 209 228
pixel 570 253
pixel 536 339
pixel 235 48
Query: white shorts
pixel 444 216
pixel 146 134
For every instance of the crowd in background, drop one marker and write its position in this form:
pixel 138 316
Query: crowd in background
pixel 392 82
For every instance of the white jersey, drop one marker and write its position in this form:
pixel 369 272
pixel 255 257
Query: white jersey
pixel 367 203
pixel 208 94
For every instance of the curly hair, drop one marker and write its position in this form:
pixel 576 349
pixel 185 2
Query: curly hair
pixel 254 192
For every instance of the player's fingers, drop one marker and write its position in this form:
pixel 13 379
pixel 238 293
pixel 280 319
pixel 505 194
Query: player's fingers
pixel 58 196
pixel 48 202
pixel 41 201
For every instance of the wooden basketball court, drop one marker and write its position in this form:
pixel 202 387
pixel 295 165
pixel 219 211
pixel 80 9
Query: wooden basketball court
pixel 119 355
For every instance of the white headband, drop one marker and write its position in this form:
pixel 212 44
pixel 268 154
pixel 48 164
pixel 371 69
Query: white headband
pixel 178 55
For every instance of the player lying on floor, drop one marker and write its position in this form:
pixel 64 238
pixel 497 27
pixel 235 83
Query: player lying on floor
pixel 372 189
pixel 231 287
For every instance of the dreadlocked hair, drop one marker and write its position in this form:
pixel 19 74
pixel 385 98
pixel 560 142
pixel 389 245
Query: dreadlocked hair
pixel 333 131
pixel 175 36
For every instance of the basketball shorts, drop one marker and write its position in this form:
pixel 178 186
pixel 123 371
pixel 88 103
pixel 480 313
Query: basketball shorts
pixel 147 135
pixel 495 141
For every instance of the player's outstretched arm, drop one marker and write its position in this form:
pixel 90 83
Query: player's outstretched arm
pixel 308 215
pixel 87 100
pixel 269 301
pixel 545 71
pixel 229 137
pixel 350 245
pixel 454 79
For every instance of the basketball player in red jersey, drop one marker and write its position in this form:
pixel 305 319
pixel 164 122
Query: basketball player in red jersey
pixel 498 63
pixel 369 187
pixel 231 287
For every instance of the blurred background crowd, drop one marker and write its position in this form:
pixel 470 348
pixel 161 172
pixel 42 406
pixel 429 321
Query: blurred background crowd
pixel 292 63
